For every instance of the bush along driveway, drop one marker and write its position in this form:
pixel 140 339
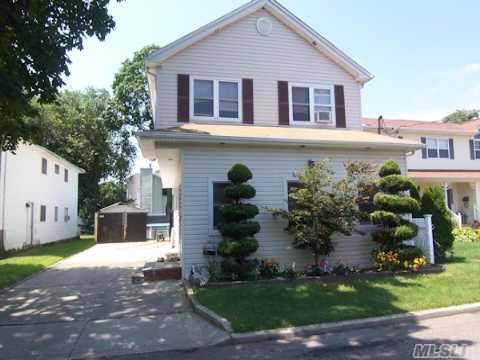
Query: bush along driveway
pixel 21 264
pixel 269 306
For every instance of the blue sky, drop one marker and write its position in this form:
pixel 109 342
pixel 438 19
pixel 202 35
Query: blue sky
pixel 425 55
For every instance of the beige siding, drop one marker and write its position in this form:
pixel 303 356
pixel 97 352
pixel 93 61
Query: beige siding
pixel 239 51
pixel 271 168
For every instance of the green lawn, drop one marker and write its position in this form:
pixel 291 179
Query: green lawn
pixel 21 264
pixel 290 304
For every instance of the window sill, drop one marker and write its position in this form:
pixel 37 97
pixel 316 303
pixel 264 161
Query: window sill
pixel 214 119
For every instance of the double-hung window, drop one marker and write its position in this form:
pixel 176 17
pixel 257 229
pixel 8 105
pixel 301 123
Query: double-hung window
pixel 215 99
pixel 476 147
pixel 311 104
pixel 438 148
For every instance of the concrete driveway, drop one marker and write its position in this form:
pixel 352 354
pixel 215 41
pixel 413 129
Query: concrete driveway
pixel 87 306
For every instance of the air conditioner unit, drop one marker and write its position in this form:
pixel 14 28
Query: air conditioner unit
pixel 316 117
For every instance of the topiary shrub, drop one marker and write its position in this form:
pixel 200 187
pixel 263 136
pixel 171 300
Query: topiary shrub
pixel 433 203
pixel 236 227
pixel 390 203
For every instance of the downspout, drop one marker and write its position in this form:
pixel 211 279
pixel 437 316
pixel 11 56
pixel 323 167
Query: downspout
pixel 4 192
pixel 380 125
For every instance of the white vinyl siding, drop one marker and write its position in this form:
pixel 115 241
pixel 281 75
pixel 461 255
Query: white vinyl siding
pixel 271 168
pixel 238 51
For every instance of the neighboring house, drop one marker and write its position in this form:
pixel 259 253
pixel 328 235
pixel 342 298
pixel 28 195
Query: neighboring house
pixel 451 159
pixel 259 87
pixel 38 197
pixel 146 190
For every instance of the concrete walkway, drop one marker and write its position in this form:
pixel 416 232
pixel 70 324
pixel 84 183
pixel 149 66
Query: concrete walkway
pixel 87 306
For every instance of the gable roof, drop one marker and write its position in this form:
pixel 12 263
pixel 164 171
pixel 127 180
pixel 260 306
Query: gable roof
pixel 466 128
pixel 281 13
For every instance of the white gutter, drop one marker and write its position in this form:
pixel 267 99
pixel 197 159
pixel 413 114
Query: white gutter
pixel 181 138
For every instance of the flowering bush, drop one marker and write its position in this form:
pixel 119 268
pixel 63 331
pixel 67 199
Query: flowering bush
pixel 343 269
pixel 405 258
pixel 414 264
pixel 269 268
pixel 386 260
pixel 465 234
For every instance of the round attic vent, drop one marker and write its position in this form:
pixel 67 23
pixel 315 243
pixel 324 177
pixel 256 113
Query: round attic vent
pixel 264 26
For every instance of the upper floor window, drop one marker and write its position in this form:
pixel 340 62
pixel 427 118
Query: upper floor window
pixel 57 169
pixel 65 175
pixel 311 104
pixel 215 99
pixel 44 166
pixel 438 148
pixel 476 147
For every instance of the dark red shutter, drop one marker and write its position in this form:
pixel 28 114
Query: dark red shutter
pixel 452 151
pixel 341 121
pixel 283 110
pixel 183 98
pixel 424 150
pixel 247 101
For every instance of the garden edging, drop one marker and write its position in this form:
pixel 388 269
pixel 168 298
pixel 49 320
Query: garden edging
pixel 205 312
pixel 318 329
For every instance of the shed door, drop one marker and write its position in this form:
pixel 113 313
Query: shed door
pixel 110 228
pixel 136 227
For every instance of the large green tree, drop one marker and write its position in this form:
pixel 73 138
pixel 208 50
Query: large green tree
pixel 84 128
pixel 35 38
pixel 461 116
pixel 130 90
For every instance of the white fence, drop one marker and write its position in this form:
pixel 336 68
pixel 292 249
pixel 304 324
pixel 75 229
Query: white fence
pixel 424 238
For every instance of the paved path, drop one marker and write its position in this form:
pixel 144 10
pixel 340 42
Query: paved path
pixel 86 305
pixel 387 342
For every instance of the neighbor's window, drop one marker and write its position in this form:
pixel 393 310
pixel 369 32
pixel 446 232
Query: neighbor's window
pixel 438 148
pixel 311 104
pixel 44 166
pixel 43 213
pixel 66 217
pixel 476 146
pixel 65 175
pixel 218 200
pixel 57 169
pixel 203 98
pixel 228 99
pixel 216 99
pixel 55 214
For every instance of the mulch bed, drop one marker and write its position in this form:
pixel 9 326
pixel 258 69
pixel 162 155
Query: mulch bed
pixel 371 274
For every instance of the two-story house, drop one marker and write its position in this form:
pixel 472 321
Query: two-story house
pixel 260 87
pixel 38 197
pixel 450 158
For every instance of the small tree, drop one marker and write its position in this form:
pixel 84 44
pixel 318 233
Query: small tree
pixel 323 206
pixel 433 202
pixel 236 226
pixel 391 202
